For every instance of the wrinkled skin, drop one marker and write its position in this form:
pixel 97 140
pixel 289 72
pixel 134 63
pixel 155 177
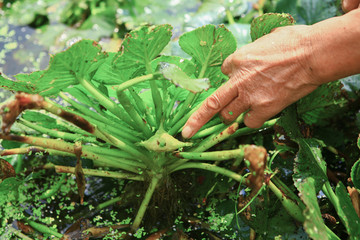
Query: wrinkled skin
pixel 279 68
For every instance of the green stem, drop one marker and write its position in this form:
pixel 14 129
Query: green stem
pixel 155 93
pixel 145 203
pixel 183 108
pixel 218 136
pixel 129 108
pixel 210 167
pixel 69 148
pixel 95 172
pixel 109 203
pixel 51 191
pixel 290 205
pixel 213 156
pixel 43 229
pixel 142 108
pixel 245 130
pixel 230 17
pixel 208 131
pixel 58 134
pixel 137 80
pixel 107 102
pixel 177 126
pixel 170 108
pixel 97 119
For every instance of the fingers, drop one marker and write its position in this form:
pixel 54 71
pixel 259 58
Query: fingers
pixel 226 67
pixel 348 5
pixel 234 109
pixel 212 105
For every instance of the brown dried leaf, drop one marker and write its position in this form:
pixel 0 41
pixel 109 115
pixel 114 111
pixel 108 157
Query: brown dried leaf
pixel 79 173
pixel 22 101
pixel 6 169
pixel 257 157
pixel 77 230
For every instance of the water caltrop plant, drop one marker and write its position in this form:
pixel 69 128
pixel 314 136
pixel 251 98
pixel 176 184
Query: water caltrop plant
pixel 124 111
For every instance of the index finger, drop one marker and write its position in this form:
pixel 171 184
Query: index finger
pixel 212 105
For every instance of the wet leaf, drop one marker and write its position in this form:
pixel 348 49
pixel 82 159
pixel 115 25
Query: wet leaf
pixel 355 174
pixel 141 46
pixel 348 213
pixel 326 102
pixel 23 83
pixel 265 23
pixel 310 163
pixel 179 78
pixel 209 46
pixel 314 224
pixel 313 11
pixel 66 68
pixel 6 169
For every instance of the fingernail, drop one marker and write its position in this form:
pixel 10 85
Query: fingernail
pixel 187 132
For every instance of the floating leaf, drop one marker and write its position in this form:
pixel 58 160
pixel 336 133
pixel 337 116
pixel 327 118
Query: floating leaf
pixel 314 224
pixel 209 46
pixel 179 78
pixel 263 24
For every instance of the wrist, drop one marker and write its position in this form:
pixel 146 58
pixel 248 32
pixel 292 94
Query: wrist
pixel 335 51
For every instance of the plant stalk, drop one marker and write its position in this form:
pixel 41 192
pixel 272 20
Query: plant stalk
pixel 134 81
pixel 213 156
pixel 107 102
pixel 129 108
pixel 145 203
pixel 95 172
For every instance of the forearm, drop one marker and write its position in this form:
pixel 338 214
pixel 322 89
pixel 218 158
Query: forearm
pixel 336 47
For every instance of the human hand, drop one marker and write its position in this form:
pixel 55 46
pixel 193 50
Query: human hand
pixel 348 5
pixel 265 77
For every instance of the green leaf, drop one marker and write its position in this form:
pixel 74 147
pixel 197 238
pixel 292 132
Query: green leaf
pixel 209 46
pixel 109 74
pixel 348 214
pixel 326 102
pixel 23 82
pixel 355 174
pixel 309 162
pixel 184 64
pixel 80 61
pixel 43 120
pixel 141 46
pixel 179 78
pixel 314 224
pixel 263 24
pixel 313 11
